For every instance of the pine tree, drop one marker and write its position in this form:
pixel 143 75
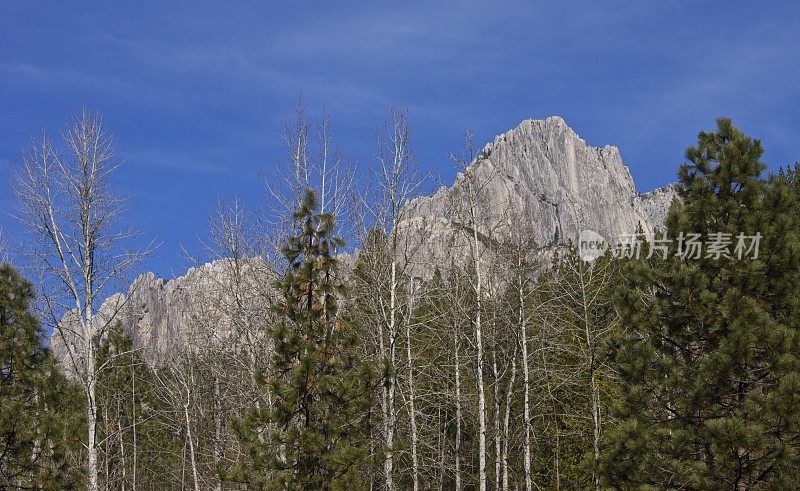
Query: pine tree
pixel 320 385
pixel 710 371
pixel 37 405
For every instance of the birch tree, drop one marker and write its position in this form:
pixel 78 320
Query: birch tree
pixel 129 432
pixel 412 411
pixel 474 187
pixel 243 286
pixel 519 257
pixel 312 160
pixel 381 276
pixel 587 314
pixel 177 389
pixel 576 319
pixel 78 247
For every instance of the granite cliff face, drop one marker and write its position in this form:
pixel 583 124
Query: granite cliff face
pixel 540 177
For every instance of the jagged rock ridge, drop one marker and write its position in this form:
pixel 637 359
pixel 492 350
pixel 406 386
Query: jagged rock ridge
pixel 193 310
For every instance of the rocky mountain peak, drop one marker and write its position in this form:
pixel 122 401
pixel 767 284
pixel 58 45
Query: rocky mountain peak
pixel 542 176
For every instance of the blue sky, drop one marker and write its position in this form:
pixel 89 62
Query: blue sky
pixel 194 92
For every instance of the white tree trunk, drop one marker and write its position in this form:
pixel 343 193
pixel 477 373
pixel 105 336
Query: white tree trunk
pixel 411 396
pixel 394 171
pixel 91 415
pixel 596 423
pixel 91 401
pixel 122 455
pixel 135 441
pixel 389 387
pixel 217 431
pixel 479 345
pixel 526 405
pixel 190 439
pixel 457 466
pixel 507 421
pixel 594 393
pixel 69 206
pixel 497 435
pixel 551 397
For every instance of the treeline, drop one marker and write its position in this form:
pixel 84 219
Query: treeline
pixel 510 367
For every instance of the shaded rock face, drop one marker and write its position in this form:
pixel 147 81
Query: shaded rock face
pixel 540 177
pixel 655 204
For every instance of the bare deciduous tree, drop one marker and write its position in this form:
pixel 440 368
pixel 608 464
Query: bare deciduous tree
pixel 580 296
pixel 177 388
pixel 520 268
pixel 3 247
pixel 244 285
pixel 384 288
pixel 312 161
pixel 474 189
pixel 78 249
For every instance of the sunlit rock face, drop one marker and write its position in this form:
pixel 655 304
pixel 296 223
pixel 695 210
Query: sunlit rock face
pixel 540 178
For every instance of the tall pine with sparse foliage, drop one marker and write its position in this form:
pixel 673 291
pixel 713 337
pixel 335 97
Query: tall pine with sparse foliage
pixel 710 393
pixel 315 429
